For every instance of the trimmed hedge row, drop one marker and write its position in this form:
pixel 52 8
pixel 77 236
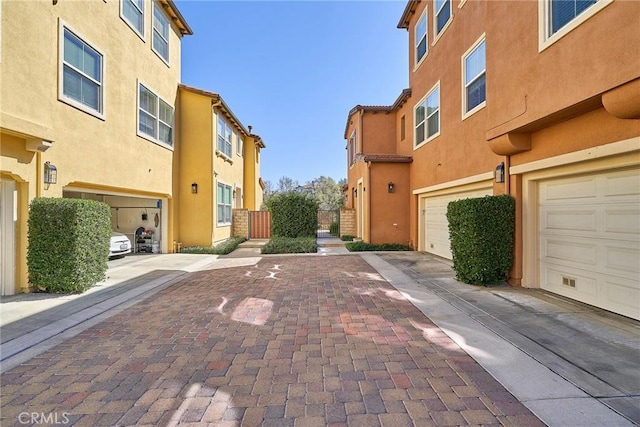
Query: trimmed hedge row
pixel 68 244
pixel 290 245
pixel 481 232
pixel 222 248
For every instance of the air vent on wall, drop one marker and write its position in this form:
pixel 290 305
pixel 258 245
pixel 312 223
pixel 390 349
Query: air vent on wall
pixel 567 281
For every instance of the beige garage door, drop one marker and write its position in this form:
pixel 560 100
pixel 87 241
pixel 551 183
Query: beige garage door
pixel 590 239
pixel 436 225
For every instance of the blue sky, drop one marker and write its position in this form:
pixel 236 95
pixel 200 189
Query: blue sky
pixel 294 69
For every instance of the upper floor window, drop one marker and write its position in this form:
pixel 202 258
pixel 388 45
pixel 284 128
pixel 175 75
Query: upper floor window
pixel 224 203
pixel 155 117
pixel 442 14
pixel 421 37
pixel 224 137
pixel 160 32
pixel 133 13
pixel 427 116
pixel 561 12
pixel 239 144
pixel 82 83
pixel 352 147
pixel 474 71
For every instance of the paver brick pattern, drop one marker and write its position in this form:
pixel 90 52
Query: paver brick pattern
pixel 290 341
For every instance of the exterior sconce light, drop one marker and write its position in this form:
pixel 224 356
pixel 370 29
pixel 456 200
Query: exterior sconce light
pixel 392 187
pixel 194 188
pixel 50 173
pixel 355 193
pixel 499 173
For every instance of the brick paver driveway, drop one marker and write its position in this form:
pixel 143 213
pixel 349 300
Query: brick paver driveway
pixel 300 341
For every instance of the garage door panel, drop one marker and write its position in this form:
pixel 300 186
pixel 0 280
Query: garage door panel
pixel 570 252
pixel 571 282
pixel 589 239
pixel 575 189
pixel 570 219
pixel 436 224
pixel 621 220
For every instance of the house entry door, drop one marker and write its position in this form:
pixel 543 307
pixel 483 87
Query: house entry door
pixel 8 218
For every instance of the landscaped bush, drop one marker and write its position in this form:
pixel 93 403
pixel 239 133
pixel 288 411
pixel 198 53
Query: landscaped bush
pixel 334 228
pixel 222 248
pixel 68 244
pixel 368 247
pixel 481 232
pixel 290 245
pixel 293 215
pixel 347 238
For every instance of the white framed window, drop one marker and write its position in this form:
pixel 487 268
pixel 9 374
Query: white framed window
pixel 132 11
pixel 224 133
pixel 442 16
pixel 352 147
pixel 239 144
pixel 224 192
pixel 161 29
pixel 474 94
pixel 427 116
pixel 81 82
pixel 155 117
pixel 420 34
pixel 557 18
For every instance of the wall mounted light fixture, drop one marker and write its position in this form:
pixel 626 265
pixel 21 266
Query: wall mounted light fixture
pixel 50 173
pixel 499 173
pixel 194 188
pixel 391 187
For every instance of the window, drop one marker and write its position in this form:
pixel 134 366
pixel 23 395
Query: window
pixel 421 37
pixel 427 116
pixel 155 117
pixel 352 148
pixel 82 74
pixel 224 137
pixel 443 14
pixel 239 144
pixel 473 65
pixel 561 12
pixel 133 14
pixel 160 32
pixel 224 204
pixel 402 131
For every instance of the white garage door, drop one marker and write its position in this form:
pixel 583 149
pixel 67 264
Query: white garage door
pixel 436 225
pixel 590 239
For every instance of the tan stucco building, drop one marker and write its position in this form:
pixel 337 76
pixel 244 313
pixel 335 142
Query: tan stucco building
pixel 219 168
pixel 524 99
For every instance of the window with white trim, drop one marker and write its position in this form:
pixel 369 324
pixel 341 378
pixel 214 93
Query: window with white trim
pixel 224 137
pixel 427 116
pixel 133 13
pixel 224 203
pixel 82 71
pixel 474 74
pixel 239 143
pixel 352 148
pixel 161 28
pixel 155 117
pixel 442 14
pixel 561 12
pixel 421 37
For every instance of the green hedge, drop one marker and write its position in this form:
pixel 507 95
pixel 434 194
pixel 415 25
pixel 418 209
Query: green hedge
pixel 290 245
pixel 222 248
pixel 481 232
pixel 68 244
pixel 368 247
pixel 334 228
pixel 347 238
pixel 293 215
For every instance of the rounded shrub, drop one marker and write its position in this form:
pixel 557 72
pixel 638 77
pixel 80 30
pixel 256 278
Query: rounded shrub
pixel 293 215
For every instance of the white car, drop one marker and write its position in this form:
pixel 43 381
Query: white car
pixel 119 246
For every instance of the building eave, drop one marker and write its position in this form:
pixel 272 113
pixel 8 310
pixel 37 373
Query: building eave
pixel 177 18
pixel 409 10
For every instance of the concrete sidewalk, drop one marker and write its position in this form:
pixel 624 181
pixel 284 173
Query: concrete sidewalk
pixel 570 364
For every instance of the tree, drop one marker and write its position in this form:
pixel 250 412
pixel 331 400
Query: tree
pixel 327 193
pixel 286 184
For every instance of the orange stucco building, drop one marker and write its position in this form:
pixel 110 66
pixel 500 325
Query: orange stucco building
pixel 540 100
